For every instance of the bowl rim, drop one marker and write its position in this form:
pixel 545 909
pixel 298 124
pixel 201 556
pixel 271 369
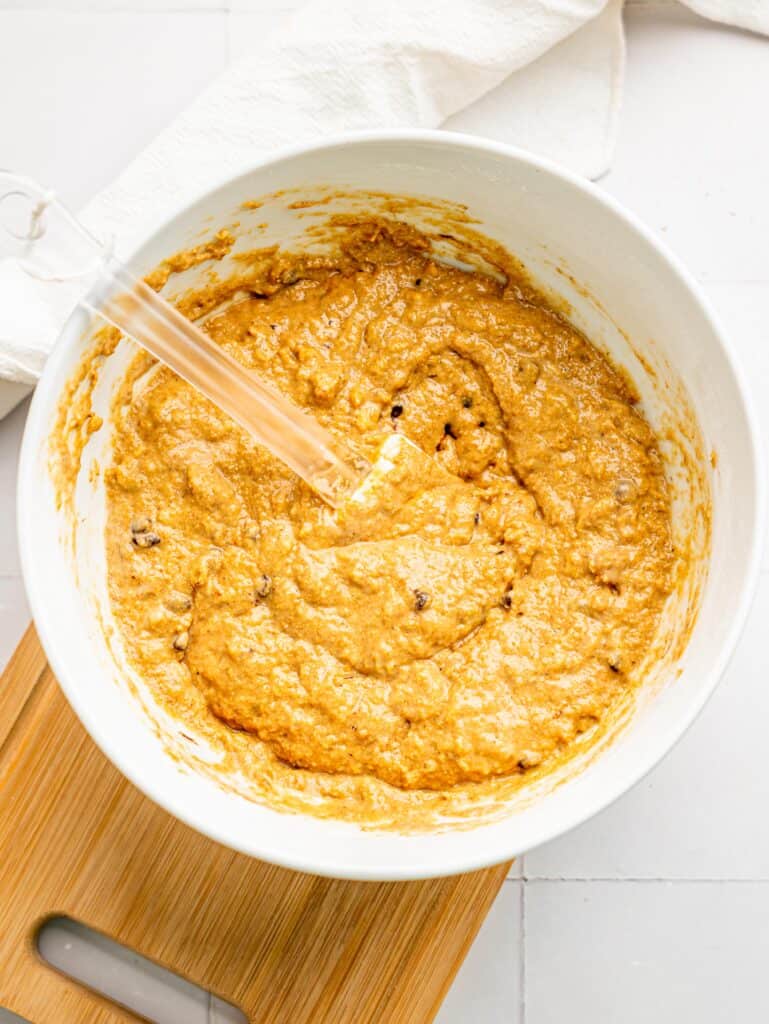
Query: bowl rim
pixel 490 851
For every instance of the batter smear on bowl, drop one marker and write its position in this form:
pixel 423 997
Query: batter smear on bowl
pixel 499 611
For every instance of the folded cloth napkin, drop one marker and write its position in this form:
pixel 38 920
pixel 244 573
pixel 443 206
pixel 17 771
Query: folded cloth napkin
pixel 342 65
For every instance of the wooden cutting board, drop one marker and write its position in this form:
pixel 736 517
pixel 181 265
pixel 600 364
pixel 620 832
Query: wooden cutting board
pixel 77 839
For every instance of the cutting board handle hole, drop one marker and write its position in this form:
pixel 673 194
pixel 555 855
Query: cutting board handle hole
pixel 128 979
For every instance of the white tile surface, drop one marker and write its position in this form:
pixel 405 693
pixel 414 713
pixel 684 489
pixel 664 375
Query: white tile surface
pixel 247 25
pixel 487 988
pixel 643 952
pixel 84 92
pixel 692 162
pixel 264 6
pixel 516 869
pixel 11 429
pixel 14 616
pixel 95 7
pixel 742 310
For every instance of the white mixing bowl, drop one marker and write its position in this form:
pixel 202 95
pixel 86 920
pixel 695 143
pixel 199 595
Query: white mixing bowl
pixel 668 339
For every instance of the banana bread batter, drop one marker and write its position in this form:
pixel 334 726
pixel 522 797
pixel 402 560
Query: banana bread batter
pixel 473 633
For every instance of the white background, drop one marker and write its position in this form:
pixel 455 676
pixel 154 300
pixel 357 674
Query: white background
pixel 657 910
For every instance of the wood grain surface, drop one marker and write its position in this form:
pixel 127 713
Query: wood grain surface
pixel 77 839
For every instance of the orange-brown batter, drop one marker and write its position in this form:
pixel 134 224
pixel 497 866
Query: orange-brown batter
pixel 473 633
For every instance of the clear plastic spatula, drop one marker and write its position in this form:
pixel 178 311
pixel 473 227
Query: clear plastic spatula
pixel 50 244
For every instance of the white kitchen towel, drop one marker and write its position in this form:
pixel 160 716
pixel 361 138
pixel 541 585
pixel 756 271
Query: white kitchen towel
pixel 341 65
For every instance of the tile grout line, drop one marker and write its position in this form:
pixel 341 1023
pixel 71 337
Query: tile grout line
pixel 281 7
pixel 99 11
pixel 671 880
pixel 522 960
pixel 706 282
pixel 227 34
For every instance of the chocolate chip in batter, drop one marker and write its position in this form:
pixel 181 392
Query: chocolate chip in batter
pixel 467 402
pixel 264 586
pixel 396 411
pixel 421 600
pixel 140 524
pixel 448 430
pixel 145 540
